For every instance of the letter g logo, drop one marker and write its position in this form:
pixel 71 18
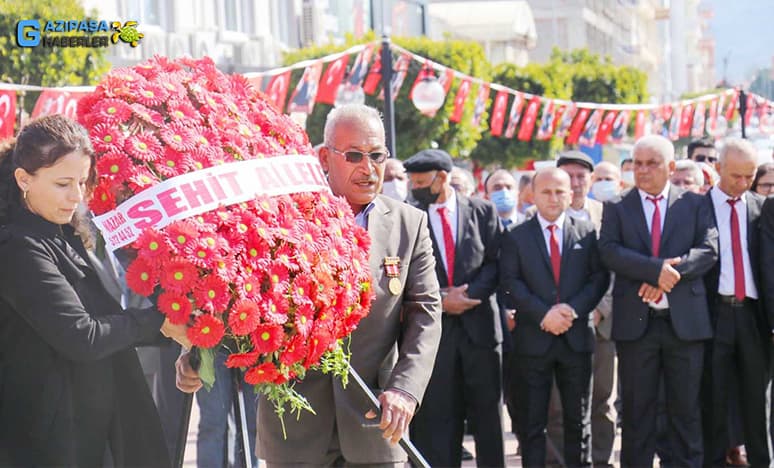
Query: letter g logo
pixel 28 33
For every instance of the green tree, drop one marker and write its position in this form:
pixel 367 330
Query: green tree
pixel 55 66
pixel 576 75
pixel 413 130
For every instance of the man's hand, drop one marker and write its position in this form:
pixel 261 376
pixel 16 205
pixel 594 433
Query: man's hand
pixel 397 410
pixel 186 378
pixel 597 317
pixel 649 293
pixel 457 301
pixel 176 332
pixel 668 277
pixel 557 320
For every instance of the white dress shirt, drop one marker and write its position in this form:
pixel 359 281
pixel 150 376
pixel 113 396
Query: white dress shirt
pixel 437 225
pixel 582 214
pixel 649 208
pixel 723 218
pixel 547 233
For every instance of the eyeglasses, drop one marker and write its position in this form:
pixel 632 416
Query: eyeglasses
pixel 354 156
pixel 704 158
pixel 766 187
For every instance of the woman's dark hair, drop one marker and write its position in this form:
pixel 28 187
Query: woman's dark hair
pixel 763 169
pixel 40 143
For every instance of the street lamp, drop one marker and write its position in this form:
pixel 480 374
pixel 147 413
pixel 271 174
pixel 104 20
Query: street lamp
pixel 428 95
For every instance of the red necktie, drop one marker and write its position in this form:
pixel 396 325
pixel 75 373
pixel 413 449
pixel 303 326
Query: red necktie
pixel 655 230
pixel 448 242
pixel 556 257
pixel 736 250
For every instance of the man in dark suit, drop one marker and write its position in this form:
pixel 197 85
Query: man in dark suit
pixel 765 261
pixel 466 380
pixel 552 274
pixel 659 241
pixel 738 351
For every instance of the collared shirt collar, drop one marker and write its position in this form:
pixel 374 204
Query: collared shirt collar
pixel 719 196
pixel 361 219
pixel 664 193
pixel 545 223
pixel 450 204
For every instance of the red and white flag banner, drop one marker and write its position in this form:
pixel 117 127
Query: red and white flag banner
pixel 697 127
pixel 446 78
pixel 459 100
pixel 577 125
pixel 730 108
pixel 498 113
pixel 7 112
pixel 620 126
pixel 712 118
pixel 590 130
pixel 547 121
pixel 514 116
pixel 204 190
pixel 400 69
pixel 331 79
pixel 479 106
pixel 374 76
pixel 639 124
pixel 566 119
pixel 57 101
pixel 529 119
pixel 277 89
pixel 303 98
pixel 606 127
pixel 686 119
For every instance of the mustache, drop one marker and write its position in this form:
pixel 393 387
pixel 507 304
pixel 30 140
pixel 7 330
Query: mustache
pixel 371 180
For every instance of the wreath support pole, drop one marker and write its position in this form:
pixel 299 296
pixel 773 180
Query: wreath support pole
pixel 241 419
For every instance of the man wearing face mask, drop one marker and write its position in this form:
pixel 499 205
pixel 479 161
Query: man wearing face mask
pixel 627 172
pixel 466 378
pixel 501 189
pixel 395 183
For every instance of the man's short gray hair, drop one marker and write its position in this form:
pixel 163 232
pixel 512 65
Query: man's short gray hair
pixel 658 144
pixel 737 145
pixel 350 113
pixel 693 168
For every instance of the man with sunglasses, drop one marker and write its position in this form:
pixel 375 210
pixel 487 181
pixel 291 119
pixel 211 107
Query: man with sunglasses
pixel 466 380
pixel 703 150
pixel 344 432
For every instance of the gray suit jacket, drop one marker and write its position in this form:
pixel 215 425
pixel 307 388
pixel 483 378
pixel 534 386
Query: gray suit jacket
pixel 393 347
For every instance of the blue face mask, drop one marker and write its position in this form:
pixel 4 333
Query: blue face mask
pixel 504 200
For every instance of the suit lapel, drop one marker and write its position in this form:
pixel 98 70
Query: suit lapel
pixel 379 229
pixel 633 204
pixel 540 240
pixel 670 221
pixel 569 239
pixel 463 232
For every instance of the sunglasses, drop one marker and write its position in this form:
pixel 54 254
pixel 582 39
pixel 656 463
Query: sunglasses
pixel 705 158
pixel 354 156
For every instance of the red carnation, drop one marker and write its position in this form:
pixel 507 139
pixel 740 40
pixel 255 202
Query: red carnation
pixel 113 111
pixel 142 276
pixel 143 146
pixel 211 294
pixel 264 373
pixel 178 136
pixel 182 236
pixel 179 276
pixel 294 352
pixel 102 199
pixel 173 163
pixel 150 94
pixel 152 245
pixel 206 331
pixel 106 137
pixel 244 317
pixel 267 338
pixel 115 165
pixel 149 116
pixel 242 359
pixel 175 306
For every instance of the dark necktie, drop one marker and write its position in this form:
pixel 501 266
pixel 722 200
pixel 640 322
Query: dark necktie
pixel 736 250
pixel 448 242
pixel 556 257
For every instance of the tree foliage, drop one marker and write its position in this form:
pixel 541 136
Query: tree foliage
pixel 54 66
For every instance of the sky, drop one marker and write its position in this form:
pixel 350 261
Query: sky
pixel 744 32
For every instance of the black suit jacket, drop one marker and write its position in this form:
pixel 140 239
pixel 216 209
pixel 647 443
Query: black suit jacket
pixel 689 233
pixel 712 278
pixel 475 264
pixel 766 259
pixel 68 369
pixel 529 287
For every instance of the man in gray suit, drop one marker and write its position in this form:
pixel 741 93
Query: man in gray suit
pixel 393 348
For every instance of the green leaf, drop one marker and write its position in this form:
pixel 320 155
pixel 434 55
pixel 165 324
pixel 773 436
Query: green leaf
pixel 207 367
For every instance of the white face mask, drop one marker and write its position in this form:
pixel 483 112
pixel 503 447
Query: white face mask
pixel 604 190
pixel 396 189
pixel 628 177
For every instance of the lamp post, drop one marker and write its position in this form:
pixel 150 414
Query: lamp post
pixel 743 111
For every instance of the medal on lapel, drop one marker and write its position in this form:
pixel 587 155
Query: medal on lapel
pixel 392 270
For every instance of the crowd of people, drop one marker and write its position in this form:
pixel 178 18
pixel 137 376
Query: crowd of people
pixel 584 296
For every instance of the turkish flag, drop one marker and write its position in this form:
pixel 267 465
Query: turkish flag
pixel 712 119
pixel 480 105
pixel 57 101
pixel 498 113
pixel 302 99
pixel 620 126
pixel 731 107
pixel 590 130
pixel 374 76
pixel 674 123
pixel 331 79
pixel 697 127
pixel 606 127
pixel 577 125
pixel 566 119
pixel 277 89
pixel 639 125
pixel 546 128
pixel 749 111
pixel 446 78
pixel 686 118
pixel 7 112
pixel 359 68
pixel 400 69
pixel 514 116
pixel 459 100
pixel 529 119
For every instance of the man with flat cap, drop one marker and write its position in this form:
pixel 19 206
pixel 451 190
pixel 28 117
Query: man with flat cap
pixel 466 378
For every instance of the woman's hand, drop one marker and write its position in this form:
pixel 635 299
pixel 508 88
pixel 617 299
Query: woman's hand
pixel 176 332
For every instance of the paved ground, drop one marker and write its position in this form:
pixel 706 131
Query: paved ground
pixel 511 460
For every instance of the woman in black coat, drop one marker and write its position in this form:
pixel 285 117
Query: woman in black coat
pixel 71 389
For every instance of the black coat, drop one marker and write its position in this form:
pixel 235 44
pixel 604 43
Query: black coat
pixel 70 380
